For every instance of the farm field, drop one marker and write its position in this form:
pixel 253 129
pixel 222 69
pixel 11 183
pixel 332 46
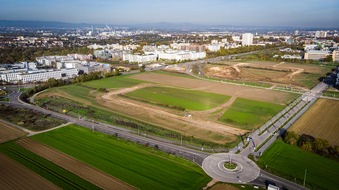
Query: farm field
pixel 140 166
pixel 52 172
pixel 291 162
pixel 78 168
pixel 8 133
pixel 297 75
pixel 320 121
pixel 249 114
pixel 15 176
pixel 188 99
pixel 202 125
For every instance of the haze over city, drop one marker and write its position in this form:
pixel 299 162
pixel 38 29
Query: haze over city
pixel 301 13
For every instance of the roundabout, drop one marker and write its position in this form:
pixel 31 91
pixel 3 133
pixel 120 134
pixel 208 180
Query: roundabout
pixel 231 168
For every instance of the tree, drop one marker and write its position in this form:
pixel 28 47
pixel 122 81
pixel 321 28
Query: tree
pixel 328 58
pixel 291 138
pixel 307 146
pixel 320 145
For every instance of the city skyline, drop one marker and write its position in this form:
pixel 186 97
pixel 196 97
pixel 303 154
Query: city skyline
pixel 301 13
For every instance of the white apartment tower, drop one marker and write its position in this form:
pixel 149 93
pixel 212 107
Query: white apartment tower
pixel 320 34
pixel 247 39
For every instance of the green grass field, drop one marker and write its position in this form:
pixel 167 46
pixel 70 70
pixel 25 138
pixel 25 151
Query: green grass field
pixel 291 162
pixel 143 167
pixel 54 173
pixel 188 99
pixel 249 114
pixel 113 82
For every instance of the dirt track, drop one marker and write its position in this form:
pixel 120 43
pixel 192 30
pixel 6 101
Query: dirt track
pixel 81 169
pixel 15 176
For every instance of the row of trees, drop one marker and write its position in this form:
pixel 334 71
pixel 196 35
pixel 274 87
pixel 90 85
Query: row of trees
pixel 311 144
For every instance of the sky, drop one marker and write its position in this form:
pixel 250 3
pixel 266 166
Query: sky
pixel 296 13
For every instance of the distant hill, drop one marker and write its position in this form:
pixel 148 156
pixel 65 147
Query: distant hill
pixel 42 24
pixel 159 26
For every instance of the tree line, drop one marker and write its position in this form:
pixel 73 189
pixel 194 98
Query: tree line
pixel 311 144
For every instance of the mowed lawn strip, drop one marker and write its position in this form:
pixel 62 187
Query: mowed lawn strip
pixel 52 172
pixel 249 114
pixel 188 99
pixel 291 162
pixel 137 165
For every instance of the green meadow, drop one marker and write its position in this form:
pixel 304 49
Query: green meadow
pixel 291 162
pixel 188 99
pixel 249 114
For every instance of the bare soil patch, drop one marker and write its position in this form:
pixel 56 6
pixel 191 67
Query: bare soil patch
pixel 223 186
pixel 320 121
pixel 281 73
pixel 15 176
pixel 81 169
pixel 173 120
pixel 8 133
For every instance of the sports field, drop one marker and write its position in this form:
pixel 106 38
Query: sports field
pixel 249 114
pixel 291 162
pixel 320 121
pixel 188 99
pixel 140 166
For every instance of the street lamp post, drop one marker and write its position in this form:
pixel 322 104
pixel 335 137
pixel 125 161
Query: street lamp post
pixel 305 177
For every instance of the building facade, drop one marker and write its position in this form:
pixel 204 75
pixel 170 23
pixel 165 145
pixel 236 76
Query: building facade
pixel 247 39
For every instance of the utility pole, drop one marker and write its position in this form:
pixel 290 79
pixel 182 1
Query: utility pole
pixel 92 125
pixel 305 177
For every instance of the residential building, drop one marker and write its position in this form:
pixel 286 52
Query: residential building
pixel 320 34
pixel 316 55
pixel 136 58
pixel 45 75
pixel 213 47
pixel 335 55
pixel 247 39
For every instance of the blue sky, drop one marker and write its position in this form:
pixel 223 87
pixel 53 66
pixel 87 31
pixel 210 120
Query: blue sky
pixel 305 13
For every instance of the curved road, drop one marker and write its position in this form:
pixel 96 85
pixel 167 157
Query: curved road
pixel 247 171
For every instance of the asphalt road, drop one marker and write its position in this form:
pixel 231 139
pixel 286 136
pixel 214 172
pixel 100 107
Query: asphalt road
pixel 281 122
pixel 151 141
pixel 245 172
pixel 267 178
